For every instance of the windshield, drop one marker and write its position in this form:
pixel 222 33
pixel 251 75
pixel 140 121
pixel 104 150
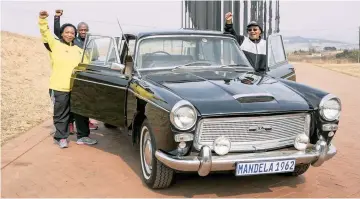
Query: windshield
pixel 170 52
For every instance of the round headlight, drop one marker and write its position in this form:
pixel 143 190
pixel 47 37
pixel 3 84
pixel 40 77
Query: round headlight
pixel 222 145
pixel 183 115
pixel 330 108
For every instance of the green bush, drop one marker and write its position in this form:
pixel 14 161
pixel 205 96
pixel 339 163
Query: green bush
pixel 351 55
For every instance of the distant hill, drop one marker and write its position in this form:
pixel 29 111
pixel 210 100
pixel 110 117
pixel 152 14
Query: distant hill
pixel 293 43
pixel 299 39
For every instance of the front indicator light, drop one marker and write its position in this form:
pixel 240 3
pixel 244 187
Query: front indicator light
pixel 301 142
pixel 184 137
pixel 330 127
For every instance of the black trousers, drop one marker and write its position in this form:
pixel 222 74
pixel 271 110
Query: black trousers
pixel 62 116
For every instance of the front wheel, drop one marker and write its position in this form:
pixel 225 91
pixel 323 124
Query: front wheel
pixel 155 174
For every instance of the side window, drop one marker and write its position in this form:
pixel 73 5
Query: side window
pixel 207 50
pixel 101 51
pixel 129 50
pixel 229 53
pixel 276 51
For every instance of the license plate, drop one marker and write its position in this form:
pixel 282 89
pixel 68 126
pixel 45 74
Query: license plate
pixel 265 167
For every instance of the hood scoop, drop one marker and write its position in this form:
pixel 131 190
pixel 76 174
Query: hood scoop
pixel 254 97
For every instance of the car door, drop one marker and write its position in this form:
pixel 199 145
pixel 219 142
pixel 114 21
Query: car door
pixel 277 62
pixel 99 86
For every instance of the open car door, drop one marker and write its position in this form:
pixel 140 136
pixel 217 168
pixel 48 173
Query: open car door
pixel 277 62
pixel 98 82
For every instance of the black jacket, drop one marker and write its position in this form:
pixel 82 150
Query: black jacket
pixel 255 50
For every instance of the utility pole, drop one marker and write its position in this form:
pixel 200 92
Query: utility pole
pixel 359 47
pixel 265 18
pixel 270 17
pixel 245 20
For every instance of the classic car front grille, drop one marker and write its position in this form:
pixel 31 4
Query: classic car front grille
pixel 245 133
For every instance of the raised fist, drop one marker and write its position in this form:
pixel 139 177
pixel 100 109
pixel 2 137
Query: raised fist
pixel 228 17
pixel 58 12
pixel 43 14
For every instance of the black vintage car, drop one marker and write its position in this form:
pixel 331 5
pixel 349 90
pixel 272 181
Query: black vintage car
pixel 192 103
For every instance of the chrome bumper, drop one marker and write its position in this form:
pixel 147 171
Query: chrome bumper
pixel 204 163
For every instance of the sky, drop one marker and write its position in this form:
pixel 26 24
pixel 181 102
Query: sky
pixel 334 20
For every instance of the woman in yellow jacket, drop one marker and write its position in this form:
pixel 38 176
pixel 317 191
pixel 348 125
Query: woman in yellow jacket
pixel 65 56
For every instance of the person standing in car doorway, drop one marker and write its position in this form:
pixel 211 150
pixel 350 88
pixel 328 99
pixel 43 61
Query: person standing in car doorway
pixel 82 30
pixel 254 47
pixel 65 56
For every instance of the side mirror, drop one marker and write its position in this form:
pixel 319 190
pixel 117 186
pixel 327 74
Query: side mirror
pixel 117 66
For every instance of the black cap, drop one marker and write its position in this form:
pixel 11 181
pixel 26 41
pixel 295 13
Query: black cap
pixel 254 23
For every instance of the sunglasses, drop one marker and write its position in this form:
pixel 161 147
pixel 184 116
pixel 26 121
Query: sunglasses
pixel 252 29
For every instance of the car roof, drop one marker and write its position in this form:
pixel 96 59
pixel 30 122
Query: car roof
pixel 141 34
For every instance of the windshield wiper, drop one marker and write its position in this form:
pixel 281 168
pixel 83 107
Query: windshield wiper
pixel 194 64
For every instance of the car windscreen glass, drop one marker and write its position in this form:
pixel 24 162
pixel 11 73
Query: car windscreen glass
pixel 173 51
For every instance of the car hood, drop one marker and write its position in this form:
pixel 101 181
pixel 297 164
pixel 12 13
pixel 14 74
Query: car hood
pixel 216 92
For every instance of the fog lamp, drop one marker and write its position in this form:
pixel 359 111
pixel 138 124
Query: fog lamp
pixel 182 145
pixel 182 148
pixel 221 145
pixel 301 142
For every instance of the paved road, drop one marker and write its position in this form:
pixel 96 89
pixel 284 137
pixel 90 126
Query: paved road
pixel 111 169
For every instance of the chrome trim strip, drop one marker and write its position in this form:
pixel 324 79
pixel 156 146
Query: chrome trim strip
pixel 289 76
pixel 84 80
pixel 252 95
pixel 247 113
pixel 249 68
pixel 146 100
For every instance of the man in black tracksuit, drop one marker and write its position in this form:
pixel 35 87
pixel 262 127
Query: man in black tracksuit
pixel 254 47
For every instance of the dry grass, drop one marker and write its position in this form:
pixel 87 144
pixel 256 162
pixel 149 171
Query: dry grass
pixel 318 60
pixel 330 62
pixel 25 69
pixel 349 69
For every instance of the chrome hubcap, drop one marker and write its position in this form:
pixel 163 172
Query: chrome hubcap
pixel 148 155
pixel 146 152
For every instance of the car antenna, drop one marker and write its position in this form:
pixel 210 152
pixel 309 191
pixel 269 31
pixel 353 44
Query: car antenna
pixel 122 32
pixel 127 44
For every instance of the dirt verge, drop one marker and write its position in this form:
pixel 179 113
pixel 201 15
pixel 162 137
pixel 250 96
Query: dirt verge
pixel 25 69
